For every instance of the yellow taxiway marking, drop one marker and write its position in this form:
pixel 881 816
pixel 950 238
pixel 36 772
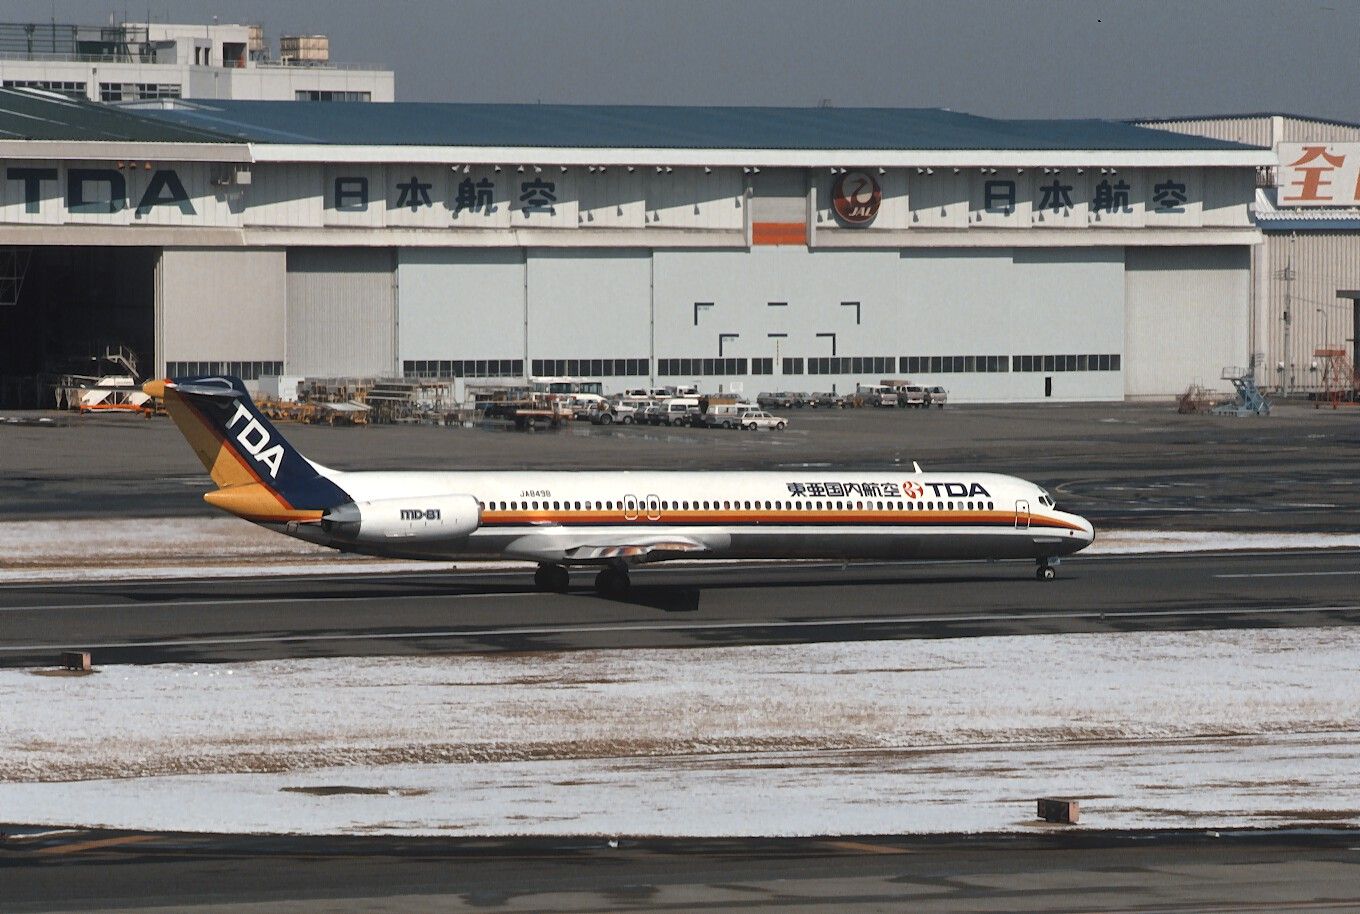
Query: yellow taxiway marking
pixel 94 844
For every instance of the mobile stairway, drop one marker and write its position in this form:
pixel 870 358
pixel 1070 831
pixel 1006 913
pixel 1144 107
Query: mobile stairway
pixel 1249 401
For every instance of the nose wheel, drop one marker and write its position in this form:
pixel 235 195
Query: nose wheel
pixel 1045 571
pixel 552 578
pixel 613 582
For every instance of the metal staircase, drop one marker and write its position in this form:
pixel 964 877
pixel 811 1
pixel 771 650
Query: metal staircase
pixel 1250 401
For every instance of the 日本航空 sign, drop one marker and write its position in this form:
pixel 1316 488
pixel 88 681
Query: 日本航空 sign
pixel 1319 174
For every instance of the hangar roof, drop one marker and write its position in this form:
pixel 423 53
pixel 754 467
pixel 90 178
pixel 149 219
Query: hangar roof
pixel 30 115
pixel 658 127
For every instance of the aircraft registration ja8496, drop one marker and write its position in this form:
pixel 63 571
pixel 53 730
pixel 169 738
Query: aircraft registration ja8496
pixel 610 521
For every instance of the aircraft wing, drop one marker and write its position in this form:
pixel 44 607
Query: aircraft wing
pixel 643 548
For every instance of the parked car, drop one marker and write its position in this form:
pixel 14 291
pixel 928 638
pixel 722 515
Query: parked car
pixel 936 396
pixel 913 395
pixel 799 398
pixel 753 419
pixel 780 399
pixel 825 400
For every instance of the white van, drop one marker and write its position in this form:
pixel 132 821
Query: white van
pixel 877 394
pixel 677 411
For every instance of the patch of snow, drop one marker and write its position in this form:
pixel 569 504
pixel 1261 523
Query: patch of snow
pixel 1148 729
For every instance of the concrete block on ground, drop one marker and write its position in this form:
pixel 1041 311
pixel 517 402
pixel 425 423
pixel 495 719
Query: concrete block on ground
pixel 1055 809
pixel 75 660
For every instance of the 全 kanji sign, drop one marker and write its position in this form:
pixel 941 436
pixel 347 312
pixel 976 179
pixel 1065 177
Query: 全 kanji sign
pixel 1319 174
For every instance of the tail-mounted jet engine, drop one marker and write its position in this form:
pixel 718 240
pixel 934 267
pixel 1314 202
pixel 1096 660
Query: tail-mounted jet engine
pixel 414 519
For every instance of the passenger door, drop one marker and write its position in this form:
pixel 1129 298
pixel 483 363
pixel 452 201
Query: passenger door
pixel 653 507
pixel 1022 515
pixel 630 507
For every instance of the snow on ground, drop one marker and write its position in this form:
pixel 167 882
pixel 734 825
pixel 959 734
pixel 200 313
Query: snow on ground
pixel 159 548
pixel 1153 729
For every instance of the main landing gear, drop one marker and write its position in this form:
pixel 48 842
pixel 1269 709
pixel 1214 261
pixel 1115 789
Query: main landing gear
pixel 613 581
pixel 552 578
pixel 1046 570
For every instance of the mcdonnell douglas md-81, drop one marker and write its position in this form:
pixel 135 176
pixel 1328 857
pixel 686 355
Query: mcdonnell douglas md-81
pixel 610 520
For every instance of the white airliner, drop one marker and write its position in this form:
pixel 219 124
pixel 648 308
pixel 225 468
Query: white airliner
pixel 610 520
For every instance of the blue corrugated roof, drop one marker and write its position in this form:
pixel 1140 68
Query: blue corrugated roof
pixel 1304 224
pixel 29 115
pixel 658 127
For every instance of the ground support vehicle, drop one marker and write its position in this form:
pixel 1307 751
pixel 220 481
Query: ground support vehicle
pixel 936 396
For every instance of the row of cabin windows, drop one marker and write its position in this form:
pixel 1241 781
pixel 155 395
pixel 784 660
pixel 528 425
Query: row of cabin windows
pixel 744 506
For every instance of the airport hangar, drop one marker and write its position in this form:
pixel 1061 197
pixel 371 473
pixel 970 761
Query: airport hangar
pixel 743 248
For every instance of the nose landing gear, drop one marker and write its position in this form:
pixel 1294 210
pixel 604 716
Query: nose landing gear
pixel 1046 570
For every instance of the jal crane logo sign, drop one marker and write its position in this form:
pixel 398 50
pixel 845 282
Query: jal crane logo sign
pixel 855 198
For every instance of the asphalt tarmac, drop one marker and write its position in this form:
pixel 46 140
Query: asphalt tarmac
pixel 1119 464
pixel 94 871
pixel 221 620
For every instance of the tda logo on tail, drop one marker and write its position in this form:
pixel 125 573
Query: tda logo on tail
pixel 254 439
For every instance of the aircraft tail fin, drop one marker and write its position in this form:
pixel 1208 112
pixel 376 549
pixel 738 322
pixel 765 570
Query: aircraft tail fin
pixel 260 476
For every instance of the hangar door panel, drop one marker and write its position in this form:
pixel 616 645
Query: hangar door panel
pixel 589 304
pixel 458 306
pixel 1187 317
pixel 222 306
pixel 341 312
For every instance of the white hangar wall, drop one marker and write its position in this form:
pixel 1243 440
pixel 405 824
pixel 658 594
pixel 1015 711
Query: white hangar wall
pixel 1164 317
pixel 1188 317
pixel 799 319
pixel 736 280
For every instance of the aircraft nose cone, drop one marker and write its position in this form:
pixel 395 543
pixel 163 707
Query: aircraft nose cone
pixel 1088 531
